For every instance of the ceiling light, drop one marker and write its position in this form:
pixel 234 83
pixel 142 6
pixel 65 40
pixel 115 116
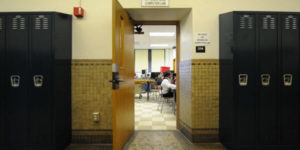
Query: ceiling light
pixel 162 33
pixel 159 45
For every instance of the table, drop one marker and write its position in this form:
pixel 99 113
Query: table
pixel 148 86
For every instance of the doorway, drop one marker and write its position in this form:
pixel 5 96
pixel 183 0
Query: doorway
pixel 155 55
pixel 124 63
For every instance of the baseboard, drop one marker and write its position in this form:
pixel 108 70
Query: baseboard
pixel 199 135
pixel 92 137
pixel 270 147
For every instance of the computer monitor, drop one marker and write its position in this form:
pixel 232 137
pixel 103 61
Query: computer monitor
pixel 148 75
pixel 144 71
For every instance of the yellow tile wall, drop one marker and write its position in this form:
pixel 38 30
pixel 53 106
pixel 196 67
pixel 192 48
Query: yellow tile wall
pixel 91 92
pixel 205 94
pixel 185 92
pixel 199 94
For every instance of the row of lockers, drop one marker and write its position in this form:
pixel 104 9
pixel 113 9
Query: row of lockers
pixel 35 80
pixel 259 80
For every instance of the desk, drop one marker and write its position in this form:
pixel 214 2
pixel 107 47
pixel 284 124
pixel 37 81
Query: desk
pixel 148 86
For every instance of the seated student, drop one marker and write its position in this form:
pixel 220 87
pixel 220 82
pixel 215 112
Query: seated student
pixel 167 86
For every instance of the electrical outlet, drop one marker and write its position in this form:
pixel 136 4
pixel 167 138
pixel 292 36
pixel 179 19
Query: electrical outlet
pixel 96 117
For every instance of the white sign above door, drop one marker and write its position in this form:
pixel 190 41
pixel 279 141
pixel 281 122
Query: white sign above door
pixel 155 3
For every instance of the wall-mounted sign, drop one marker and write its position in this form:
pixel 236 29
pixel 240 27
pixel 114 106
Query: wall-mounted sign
pixel 200 49
pixel 202 39
pixel 155 3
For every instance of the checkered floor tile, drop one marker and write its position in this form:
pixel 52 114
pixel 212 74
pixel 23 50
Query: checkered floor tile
pixel 147 117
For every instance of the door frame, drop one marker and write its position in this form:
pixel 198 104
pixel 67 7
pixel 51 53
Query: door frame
pixel 177 24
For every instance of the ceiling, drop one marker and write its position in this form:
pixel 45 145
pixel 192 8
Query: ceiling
pixel 143 41
pixel 158 14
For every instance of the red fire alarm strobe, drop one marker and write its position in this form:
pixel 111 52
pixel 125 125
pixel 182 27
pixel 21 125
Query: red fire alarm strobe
pixel 78 12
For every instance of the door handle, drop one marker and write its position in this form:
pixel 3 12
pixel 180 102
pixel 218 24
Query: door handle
pixel 287 79
pixel 116 83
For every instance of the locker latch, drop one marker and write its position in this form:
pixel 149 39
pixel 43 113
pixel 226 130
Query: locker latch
pixel 243 79
pixel 38 80
pixel 265 79
pixel 15 81
pixel 288 79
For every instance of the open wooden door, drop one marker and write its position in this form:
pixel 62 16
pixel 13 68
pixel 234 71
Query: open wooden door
pixel 123 80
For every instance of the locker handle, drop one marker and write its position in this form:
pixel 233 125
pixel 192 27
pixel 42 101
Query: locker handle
pixel 265 79
pixel 287 79
pixel 243 79
pixel 15 81
pixel 38 80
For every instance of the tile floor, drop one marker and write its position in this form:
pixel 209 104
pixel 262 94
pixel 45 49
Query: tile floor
pixel 154 131
pixel 166 140
pixel 147 117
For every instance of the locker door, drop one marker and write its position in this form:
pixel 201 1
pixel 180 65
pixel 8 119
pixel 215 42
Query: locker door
pixel 41 115
pixel 245 79
pixel 16 103
pixel 289 79
pixel 267 55
pixel 2 93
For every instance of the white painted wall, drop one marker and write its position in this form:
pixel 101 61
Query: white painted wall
pixel 92 35
pixel 205 16
pixel 186 37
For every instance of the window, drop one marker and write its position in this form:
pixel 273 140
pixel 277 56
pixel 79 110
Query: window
pixel 158 60
pixel 141 60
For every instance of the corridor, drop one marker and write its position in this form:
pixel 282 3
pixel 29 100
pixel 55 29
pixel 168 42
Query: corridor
pixel 155 140
pixel 166 140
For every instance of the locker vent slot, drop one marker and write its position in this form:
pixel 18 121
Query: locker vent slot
pixel 1 24
pixel 269 22
pixel 41 23
pixel 290 23
pixel 246 22
pixel 18 23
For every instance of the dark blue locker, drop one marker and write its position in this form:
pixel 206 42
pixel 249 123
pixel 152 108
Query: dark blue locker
pixel 263 112
pixel 267 53
pixel 245 79
pixel 41 80
pixel 289 80
pixel 63 78
pixel 16 81
pixel 226 79
pixel 2 66
pixel 37 101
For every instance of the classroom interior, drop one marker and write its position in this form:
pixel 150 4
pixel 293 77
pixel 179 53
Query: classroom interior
pixel 155 53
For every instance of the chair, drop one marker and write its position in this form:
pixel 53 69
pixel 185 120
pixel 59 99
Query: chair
pixel 154 90
pixel 165 100
pixel 139 89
